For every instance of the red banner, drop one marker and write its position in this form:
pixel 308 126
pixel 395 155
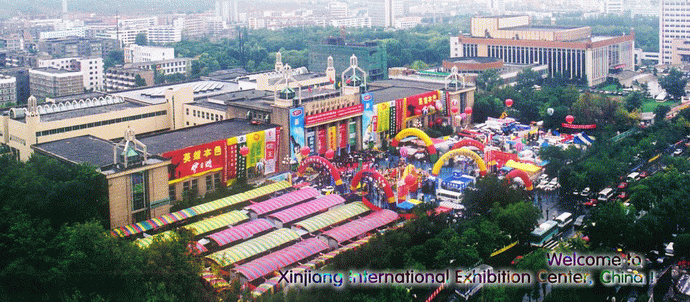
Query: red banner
pixel 323 141
pixel 343 134
pixel 425 103
pixel 197 159
pixel 573 126
pixel 400 116
pixel 333 114
pixel 231 170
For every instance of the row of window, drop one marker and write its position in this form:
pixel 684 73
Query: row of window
pixel 100 123
pixel 205 115
pixel 213 181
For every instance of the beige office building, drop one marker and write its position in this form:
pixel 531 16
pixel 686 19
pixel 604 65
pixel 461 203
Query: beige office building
pixel 51 82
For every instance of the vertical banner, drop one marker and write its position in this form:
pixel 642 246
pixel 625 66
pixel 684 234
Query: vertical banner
pixel 232 152
pixel 241 160
pixel 342 127
pixel 311 140
pixel 383 122
pixel 353 133
pixel 255 142
pixel 271 152
pixel 401 114
pixel 323 142
pixel 333 138
pixel 368 127
pixel 296 133
pixel 393 119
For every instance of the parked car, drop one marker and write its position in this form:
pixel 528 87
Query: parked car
pixel 585 192
pixel 623 195
pixel 579 221
pixel 677 152
pixel 591 203
pixel 622 185
pixel 644 174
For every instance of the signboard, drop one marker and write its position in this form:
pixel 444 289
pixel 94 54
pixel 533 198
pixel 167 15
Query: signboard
pixel 196 160
pixel 368 127
pixel 333 115
pixel 333 138
pixel 401 115
pixel 342 138
pixel 231 164
pixel 383 122
pixel 424 103
pixel 573 126
pixel 353 133
pixel 323 142
pixel 296 133
pixel 255 143
pixel 271 152
pixel 393 119
pixel 311 140
pixel 241 160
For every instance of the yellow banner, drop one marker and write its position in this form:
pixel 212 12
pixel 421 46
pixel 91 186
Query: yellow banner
pixel 503 249
pixel 332 139
pixel 383 123
pixel 256 145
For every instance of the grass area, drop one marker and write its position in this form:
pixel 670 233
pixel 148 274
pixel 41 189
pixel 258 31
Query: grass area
pixel 610 87
pixel 649 105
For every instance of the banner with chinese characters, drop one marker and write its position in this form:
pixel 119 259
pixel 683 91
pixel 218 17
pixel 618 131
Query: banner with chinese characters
pixel 342 127
pixel 423 104
pixel 353 133
pixel 573 126
pixel 311 140
pixel 383 123
pixel 333 138
pixel 196 160
pixel 323 142
pixel 231 165
pixel 255 143
pixel 400 116
pixel 241 160
pixel 296 133
pixel 368 127
pixel 271 136
pixel 393 118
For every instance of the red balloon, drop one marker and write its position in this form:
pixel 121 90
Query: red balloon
pixel 417 111
pixel 454 109
pixel 244 151
pixel 305 151
pixel 468 110
pixel 410 179
pixel 509 102
pixel 569 119
pixel 330 154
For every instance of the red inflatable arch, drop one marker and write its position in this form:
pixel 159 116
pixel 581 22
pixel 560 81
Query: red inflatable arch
pixel 320 161
pixel 386 186
pixel 523 175
pixel 468 142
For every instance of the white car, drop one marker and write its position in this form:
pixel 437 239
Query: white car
pixel 678 152
pixel 585 192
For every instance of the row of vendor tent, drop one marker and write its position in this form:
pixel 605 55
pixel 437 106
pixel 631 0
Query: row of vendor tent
pixel 332 217
pixel 202 209
pixel 306 209
pixel 281 202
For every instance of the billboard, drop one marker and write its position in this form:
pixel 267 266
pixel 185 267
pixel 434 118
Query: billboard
pixel 323 141
pixel 332 115
pixel 271 153
pixel 333 138
pixel 342 128
pixel 196 160
pixel 368 127
pixel 423 104
pixel 311 140
pixel 383 123
pixel 296 133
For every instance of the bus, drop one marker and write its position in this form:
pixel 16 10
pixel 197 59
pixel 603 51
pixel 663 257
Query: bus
pixel 543 233
pixel 447 195
pixel 565 222
pixel 605 195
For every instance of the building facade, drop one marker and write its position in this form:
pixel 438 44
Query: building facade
pixel 135 53
pixel 571 52
pixel 77 47
pixel 91 69
pixel 8 90
pixel 123 78
pixel 72 32
pixel 51 83
pixel 351 22
pixel 21 75
pixel 673 21
pixel 166 67
pixel 163 34
pixel 372 57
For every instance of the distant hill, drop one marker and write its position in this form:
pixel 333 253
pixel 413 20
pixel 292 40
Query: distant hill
pixel 10 8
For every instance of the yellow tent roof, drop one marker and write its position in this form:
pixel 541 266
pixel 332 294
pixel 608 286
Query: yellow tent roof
pixel 529 168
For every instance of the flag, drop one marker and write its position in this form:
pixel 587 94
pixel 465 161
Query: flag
pixel 331 80
pixel 309 89
pixel 347 82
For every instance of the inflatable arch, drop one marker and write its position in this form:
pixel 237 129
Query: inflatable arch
pixel 522 175
pixel 468 142
pixel 386 186
pixel 462 151
pixel 420 134
pixel 320 161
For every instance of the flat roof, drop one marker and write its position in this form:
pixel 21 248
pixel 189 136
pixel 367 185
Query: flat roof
pixel 299 77
pixel 68 114
pixel 203 89
pixel 85 149
pixel 201 134
pixel 54 70
pixel 473 60
pixel 542 28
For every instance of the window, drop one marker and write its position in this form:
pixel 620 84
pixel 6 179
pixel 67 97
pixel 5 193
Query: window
pixel 209 183
pixel 195 185
pixel 187 111
pixel 216 180
pixel 185 187
pixel 172 192
pixel 139 190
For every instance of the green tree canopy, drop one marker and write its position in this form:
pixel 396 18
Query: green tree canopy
pixel 141 39
pixel 674 83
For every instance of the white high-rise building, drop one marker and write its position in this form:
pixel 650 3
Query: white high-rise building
pixel 673 22
pixel 338 10
pixel 163 34
pixel 90 68
pixel 614 7
pixel 135 53
pixel 384 12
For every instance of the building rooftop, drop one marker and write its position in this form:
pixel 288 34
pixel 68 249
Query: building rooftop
pixel 137 64
pixel 85 149
pixel 202 89
pixel 227 74
pixel 542 28
pixel 81 112
pixel 394 89
pixel 192 136
pixel 55 71
pixel 298 77
pixel 473 60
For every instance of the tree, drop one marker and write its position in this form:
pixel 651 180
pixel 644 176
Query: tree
pixel 488 80
pixel 611 225
pixel 518 219
pixel 634 101
pixel 660 112
pixel 674 83
pixel 141 39
pixel 419 65
pixel 488 191
pixel 114 57
pixel 681 246
pixel 139 81
pixel 527 78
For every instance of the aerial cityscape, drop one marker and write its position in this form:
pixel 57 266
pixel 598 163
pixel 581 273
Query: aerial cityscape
pixel 358 150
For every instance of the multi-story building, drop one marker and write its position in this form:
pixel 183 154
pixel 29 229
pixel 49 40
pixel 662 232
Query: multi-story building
pixel 14 42
pixel 72 32
pixel 91 69
pixel 407 22
pixel 77 47
pixel 8 90
pixel 137 22
pixel 21 59
pixel 351 22
pixel 21 75
pixel 193 27
pixel 163 34
pixel 135 53
pixel 51 82
pixel 384 12
pixel 338 10
pixel 569 51
pixel 165 67
pixel 372 56
pixel 614 7
pixel 123 78
pixel 124 36
pixel 673 24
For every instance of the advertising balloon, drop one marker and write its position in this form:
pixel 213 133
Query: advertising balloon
pixel 403 152
pixel 549 111
pixel 439 105
pixel 305 151
pixel 509 102
pixel 454 109
pixel 468 110
pixel 329 154
pixel 570 119
pixel 244 151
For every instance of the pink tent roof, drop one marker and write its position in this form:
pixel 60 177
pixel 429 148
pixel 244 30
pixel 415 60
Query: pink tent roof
pixel 360 226
pixel 242 231
pixel 283 201
pixel 308 208
pixel 280 259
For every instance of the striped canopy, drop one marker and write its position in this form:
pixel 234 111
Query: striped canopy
pixel 333 216
pixel 217 282
pixel 283 201
pixel 196 248
pixel 240 232
pixel 360 226
pixel 146 242
pixel 201 209
pixel 214 223
pixel 253 247
pixel 269 286
pixel 280 259
pixel 308 208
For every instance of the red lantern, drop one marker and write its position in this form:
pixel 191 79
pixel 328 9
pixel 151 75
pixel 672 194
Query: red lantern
pixel 417 111
pixel 305 151
pixel 454 110
pixel 410 180
pixel 329 154
pixel 244 151
pixel 509 102
pixel 570 119
pixel 468 110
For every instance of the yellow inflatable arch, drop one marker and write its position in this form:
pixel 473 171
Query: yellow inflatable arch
pixel 462 151
pixel 420 134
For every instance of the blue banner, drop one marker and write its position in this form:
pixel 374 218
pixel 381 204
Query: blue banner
pixel 296 133
pixel 368 127
pixel 311 140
